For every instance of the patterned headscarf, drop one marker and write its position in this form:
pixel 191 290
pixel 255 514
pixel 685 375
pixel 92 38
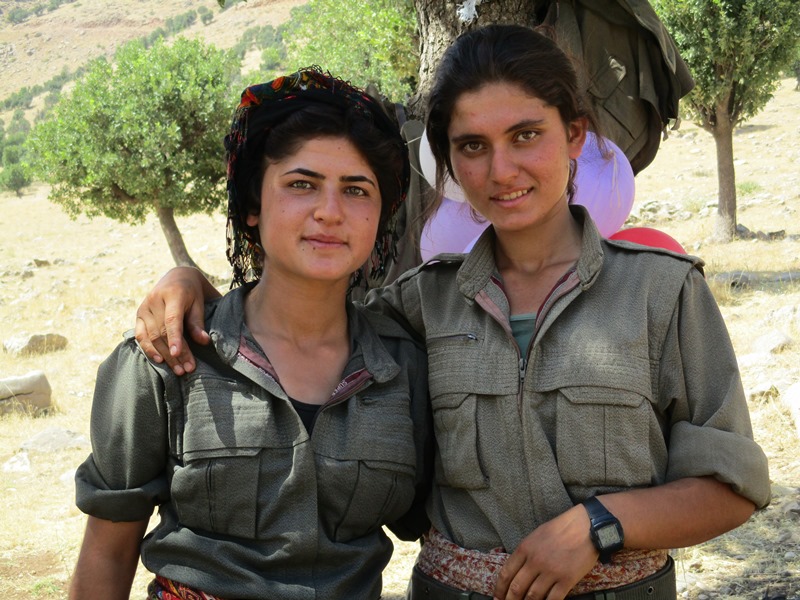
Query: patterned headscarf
pixel 261 108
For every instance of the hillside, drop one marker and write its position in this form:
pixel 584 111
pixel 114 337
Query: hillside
pixel 36 50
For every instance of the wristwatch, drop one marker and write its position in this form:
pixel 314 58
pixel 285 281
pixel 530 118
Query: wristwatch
pixel 605 530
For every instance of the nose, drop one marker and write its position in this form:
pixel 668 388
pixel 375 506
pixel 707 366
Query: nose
pixel 503 166
pixel 329 209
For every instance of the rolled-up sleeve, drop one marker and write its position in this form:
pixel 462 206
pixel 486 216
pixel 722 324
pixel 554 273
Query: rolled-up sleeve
pixel 124 478
pixel 710 433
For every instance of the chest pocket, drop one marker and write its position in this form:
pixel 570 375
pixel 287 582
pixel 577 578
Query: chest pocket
pixel 461 371
pixel 235 460
pixel 366 462
pixel 600 419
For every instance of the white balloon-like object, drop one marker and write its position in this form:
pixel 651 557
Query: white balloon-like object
pixel 451 189
pixel 604 185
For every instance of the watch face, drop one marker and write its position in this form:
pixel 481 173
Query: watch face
pixel 608 536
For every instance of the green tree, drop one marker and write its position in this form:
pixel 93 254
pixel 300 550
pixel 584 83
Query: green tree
pixel 736 51
pixel 15 173
pixel 143 135
pixel 375 43
pixel 14 178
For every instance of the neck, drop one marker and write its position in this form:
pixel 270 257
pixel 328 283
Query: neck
pixel 556 241
pixel 297 312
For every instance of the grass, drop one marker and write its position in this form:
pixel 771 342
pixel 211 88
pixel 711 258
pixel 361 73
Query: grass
pixel 747 188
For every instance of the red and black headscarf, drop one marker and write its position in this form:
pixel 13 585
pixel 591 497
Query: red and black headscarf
pixel 261 108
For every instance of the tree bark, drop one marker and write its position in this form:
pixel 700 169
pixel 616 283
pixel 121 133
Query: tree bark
pixel 166 217
pixel 439 24
pixel 725 225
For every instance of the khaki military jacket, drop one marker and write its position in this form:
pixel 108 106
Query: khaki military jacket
pixel 251 505
pixel 630 381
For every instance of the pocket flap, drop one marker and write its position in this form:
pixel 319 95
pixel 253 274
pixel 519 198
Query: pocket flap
pixel 602 395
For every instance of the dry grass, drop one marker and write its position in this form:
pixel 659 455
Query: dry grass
pixel 99 270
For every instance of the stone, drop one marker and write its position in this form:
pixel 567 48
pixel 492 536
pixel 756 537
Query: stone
pixel 40 343
pixel 772 342
pixel 19 463
pixel 791 509
pixel 55 438
pixel 791 400
pixel 29 393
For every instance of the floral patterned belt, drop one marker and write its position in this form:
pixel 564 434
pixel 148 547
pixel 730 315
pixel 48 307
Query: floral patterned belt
pixel 162 588
pixel 474 571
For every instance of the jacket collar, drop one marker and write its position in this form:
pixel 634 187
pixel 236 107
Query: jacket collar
pixel 479 265
pixel 225 322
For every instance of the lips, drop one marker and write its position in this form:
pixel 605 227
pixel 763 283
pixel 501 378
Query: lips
pixel 324 241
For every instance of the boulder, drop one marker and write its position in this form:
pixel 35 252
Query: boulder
pixel 28 393
pixel 53 439
pixel 40 343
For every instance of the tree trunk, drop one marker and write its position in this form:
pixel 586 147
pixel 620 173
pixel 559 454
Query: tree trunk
pixel 440 23
pixel 725 226
pixel 175 242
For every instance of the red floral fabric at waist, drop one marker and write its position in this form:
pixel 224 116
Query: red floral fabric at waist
pixel 474 571
pixel 162 588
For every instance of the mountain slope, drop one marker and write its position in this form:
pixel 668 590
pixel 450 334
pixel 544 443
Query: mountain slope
pixel 36 50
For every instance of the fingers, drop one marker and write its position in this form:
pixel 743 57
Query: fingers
pixel 179 356
pixel 149 336
pixel 530 585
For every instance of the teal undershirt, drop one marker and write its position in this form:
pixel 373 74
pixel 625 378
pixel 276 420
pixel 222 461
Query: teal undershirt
pixel 522 329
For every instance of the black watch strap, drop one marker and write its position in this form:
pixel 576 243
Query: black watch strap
pixel 605 530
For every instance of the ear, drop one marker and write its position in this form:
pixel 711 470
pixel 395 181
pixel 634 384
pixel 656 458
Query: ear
pixel 252 220
pixel 576 136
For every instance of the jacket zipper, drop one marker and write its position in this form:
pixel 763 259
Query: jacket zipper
pixel 349 386
pixel 560 289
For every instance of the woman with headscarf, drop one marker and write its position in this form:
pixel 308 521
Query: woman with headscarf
pixel 304 428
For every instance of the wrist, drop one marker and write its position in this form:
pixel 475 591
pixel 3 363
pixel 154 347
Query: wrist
pixel 605 530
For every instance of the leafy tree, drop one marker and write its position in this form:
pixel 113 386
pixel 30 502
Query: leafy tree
pixel 14 178
pixel 736 51
pixel 144 135
pixel 17 15
pixel 15 173
pixel 375 43
pixel 12 155
pixel 18 123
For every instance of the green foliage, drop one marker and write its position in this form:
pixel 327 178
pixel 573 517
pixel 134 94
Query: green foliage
pixel 746 188
pixel 14 178
pixel 735 50
pixel 141 134
pixel 12 154
pixel 181 22
pixel 22 98
pixel 18 124
pixel 17 15
pixel 19 99
pixel 375 43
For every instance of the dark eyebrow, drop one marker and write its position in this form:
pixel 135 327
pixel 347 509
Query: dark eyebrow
pixel 524 124
pixel 345 178
pixel 306 172
pixel 358 179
